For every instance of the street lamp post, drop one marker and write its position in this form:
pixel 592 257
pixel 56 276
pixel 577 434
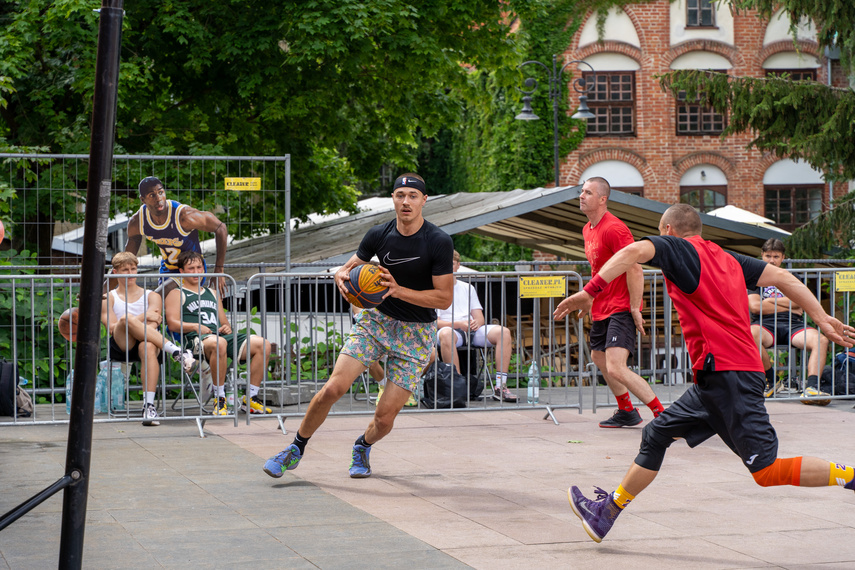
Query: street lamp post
pixel 555 75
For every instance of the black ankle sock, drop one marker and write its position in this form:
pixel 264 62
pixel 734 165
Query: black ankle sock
pixel 770 375
pixel 361 441
pixel 812 381
pixel 301 442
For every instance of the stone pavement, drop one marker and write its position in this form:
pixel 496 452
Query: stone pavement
pixel 449 490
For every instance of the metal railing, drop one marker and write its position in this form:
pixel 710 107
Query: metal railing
pixel 306 320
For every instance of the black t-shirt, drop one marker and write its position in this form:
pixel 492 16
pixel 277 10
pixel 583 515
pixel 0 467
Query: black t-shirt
pixel 412 261
pixel 680 263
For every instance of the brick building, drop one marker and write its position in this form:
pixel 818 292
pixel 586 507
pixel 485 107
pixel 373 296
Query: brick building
pixel 646 141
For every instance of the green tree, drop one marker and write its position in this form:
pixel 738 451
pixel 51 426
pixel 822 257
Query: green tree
pixel 343 86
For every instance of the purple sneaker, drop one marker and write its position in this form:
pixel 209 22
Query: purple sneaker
pixel 597 516
pixel 850 484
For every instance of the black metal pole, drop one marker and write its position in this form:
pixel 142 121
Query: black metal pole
pixel 79 451
pixel 555 95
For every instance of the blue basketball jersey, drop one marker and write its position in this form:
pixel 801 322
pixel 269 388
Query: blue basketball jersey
pixel 170 237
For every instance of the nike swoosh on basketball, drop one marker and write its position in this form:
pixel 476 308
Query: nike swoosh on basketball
pixel 389 261
pixel 751 459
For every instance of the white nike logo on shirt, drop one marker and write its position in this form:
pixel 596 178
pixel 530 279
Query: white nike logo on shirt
pixel 389 261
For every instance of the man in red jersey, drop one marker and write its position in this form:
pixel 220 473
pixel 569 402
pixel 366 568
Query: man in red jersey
pixel 616 313
pixel 708 286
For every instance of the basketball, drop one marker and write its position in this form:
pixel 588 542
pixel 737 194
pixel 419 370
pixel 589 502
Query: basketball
pixel 364 289
pixel 68 324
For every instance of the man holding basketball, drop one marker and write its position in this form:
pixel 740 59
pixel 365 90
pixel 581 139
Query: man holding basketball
pixel 708 286
pixel 175 228
pixel 415 257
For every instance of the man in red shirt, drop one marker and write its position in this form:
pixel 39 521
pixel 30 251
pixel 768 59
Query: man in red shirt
pixel 616 314
pixel 708 286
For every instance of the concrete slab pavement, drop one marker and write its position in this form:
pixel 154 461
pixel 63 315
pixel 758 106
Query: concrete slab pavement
pixel 478 489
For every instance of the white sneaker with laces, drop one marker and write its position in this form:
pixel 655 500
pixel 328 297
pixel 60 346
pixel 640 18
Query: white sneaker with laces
pixel 186 360
pixel 149 415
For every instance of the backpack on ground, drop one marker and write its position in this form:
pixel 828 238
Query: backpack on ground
pixel 444 387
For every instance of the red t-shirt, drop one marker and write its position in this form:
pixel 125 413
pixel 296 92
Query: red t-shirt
pixel 602 241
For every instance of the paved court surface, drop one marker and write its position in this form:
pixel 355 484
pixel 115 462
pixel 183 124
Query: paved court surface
pixel 468 489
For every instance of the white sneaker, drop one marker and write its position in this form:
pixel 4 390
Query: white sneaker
pixel 206 380
pixel 149 415
pixel 186 360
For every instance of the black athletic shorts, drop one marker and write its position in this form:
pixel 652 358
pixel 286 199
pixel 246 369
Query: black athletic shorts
pixel 783 328
pixel 729 404
pixel 132 355
pixel 616 330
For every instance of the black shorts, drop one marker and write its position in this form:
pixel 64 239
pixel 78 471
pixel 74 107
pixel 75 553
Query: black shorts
pixel 729 404
pixel 782 328
pixel 615 330
pixel 132 355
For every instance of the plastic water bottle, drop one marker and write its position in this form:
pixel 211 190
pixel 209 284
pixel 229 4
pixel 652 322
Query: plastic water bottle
pixel 533 383
pixel 68 383
pixel 117 387
pixel 100 384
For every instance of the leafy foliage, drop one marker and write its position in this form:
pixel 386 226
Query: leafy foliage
pixel 825 235
pixel 343 86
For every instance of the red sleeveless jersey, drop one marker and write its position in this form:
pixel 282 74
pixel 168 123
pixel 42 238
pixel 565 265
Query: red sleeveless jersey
pixel 715 316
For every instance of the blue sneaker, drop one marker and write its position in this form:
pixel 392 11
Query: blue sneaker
pixel 286 459
pixel 359 466
pixel 597 516
pixel 850 485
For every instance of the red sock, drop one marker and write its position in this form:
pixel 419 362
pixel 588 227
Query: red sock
pixel 655 406
pixel 624 403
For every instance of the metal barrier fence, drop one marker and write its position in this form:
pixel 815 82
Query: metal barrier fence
pixel 305 320
pixel 46 217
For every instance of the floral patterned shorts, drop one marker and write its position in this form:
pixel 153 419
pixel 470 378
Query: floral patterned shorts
pixel 407 346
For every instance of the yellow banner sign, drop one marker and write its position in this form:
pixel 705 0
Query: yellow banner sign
pixel 243 183
pixel 844 281
pixel 531 287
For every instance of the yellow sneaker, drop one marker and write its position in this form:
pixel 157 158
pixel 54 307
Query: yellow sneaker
pixel 256 406
pixel 411 402
pixel 220 407
pixel 813 393
pixel 379 393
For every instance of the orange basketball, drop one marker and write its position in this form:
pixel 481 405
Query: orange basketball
pixel 364 289
pixel 67 324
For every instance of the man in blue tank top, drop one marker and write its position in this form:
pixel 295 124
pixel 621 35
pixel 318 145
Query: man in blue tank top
pixel 175 228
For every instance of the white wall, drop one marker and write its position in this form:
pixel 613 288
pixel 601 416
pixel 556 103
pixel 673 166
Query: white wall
pixel 617 172
pixel 618 28
pixel 712 176
pixel 723 20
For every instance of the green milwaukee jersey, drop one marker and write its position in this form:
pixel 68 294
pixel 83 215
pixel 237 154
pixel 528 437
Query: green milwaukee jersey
pixel 200 308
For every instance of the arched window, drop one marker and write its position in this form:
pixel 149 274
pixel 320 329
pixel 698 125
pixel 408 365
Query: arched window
pixel 621 176
pixel 793 193
pixel 704 187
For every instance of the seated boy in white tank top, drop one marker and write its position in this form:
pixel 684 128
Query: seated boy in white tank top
pixel 132 316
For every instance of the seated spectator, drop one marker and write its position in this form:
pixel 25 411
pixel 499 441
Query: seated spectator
pixel 132 316
pixel 463 322
pixel 777 320
pixel 196 313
